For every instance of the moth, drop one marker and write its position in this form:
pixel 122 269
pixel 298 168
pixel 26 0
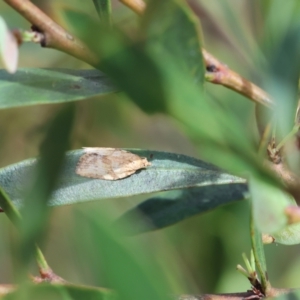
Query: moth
pixel 109 163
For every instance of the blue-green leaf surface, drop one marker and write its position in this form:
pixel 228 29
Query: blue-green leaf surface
pixel 174 206
pixel 168 171
pixel 48 86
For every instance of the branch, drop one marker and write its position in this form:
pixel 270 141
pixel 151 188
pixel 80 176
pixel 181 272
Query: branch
pixel 54 35
pixel 8 288
pixel 137 6
pixel 219 73
pixel 235 296
pixel 232 296
pixel 289 179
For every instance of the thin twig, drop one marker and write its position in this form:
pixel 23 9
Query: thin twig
pixel 55 36
pixel 8 288
pixel 290 180
pixel 15 217
pixel 219 73
pixel 137 6
pixel 234 296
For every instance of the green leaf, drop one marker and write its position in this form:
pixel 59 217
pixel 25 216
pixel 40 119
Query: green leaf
pixel 269 202
pixel 129 268
pixel 35 210
pixel 47 86
pixel 290 235
pixel 168 171
pixel 174 206
pixel 60 292
pixel 103 8
pixel 172 27
pixel 284 79
pixel 259 254
pixel 126 63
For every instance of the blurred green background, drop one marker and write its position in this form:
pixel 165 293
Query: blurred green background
pixel 206 248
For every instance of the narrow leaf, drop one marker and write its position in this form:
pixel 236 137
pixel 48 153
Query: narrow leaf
pixel 35 212
pixel 47 86
pixel 172 27
pixel 168 171
pixel 126 63
pixel 103 8
pixel 129 268
pixel 174 206
pixel 259 254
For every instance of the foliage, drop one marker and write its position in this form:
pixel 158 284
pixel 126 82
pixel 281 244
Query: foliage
pixel 150 74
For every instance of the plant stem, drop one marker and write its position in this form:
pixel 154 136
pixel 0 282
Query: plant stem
pixel 137 6
pixel 103 9
pixel 219 73
pixel 55 36
pixel 259 257
pixel 41 261
pixel 28 36
pixel 8 207
pixel 16 218
pixel 288 137
pixel 232 296
pixel 265 137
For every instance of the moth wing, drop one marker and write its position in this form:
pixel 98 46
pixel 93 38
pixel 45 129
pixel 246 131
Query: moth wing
pixel 109 163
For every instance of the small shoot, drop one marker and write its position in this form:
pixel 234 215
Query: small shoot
pixel 250 273
pixel 288 137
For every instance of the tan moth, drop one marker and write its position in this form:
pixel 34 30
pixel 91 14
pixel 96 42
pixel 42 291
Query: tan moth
pixel 109 163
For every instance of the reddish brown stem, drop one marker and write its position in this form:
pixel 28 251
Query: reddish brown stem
pixel 219 73
pixel 55 36
pixel 234 296
pixel 137 6
pixel 8 288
